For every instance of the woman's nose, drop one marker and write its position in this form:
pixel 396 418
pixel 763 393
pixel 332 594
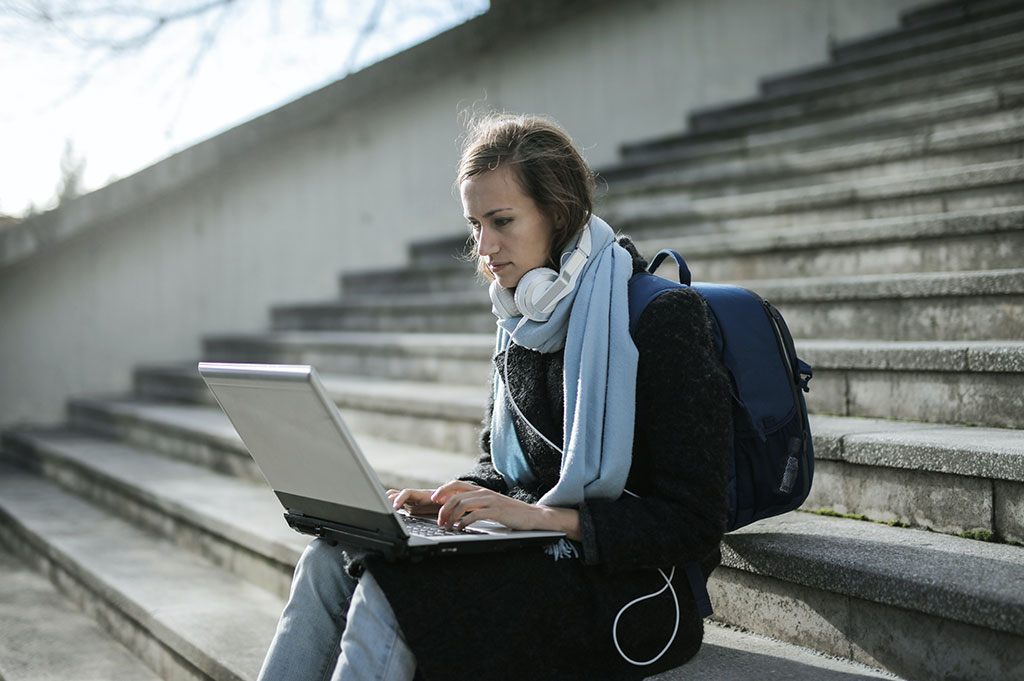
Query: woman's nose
pixel 486 243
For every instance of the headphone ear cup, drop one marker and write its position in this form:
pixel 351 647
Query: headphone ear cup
pixel 503 302
pixel 531 287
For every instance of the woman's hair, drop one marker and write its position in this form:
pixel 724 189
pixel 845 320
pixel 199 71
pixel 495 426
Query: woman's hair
pixel 544 162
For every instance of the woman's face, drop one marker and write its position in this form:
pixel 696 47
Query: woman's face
pixel 513 236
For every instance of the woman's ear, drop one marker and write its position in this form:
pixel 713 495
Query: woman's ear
pixel 562 220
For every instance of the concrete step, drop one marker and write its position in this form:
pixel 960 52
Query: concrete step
pixel 956 382
pixel 723 128
pixel 889 597
pixel 442 357
pixel 726 654
pixel 412 279
pixel 943 23
pixel 426 278
pixel 64 534
pixel 943 242
pixel 961 306
pixel 898 305
pixel 201 434
pixel 978 382
pixel 979 187
pixel 115 466
pixel 952 11
pixel 177 612
pixel 731 654
pixel 761 135
pixel 902 48
pixel 921 306
pixel 965 240
pixel 800 155
pixel 460 312
pixel 944 477
pixel 45 638
pixel 427 251
pixel 232 522
pixel 441 416
pixel 866 75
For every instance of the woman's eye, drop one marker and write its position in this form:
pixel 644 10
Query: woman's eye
pixel 501 222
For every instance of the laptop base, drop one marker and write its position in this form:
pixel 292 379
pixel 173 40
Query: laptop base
pixel 417 547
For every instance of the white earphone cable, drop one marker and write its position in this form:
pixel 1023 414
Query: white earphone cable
pixel 675 600
pixel 668 578
pixel 675 627
pixel 508 391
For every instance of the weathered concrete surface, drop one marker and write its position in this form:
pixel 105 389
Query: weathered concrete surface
pixel 976 240
pixel 967 382
pixel 203 435
pixel 960 127
pixel 987 185
pixel 908 644
pixel 234 523
pixel 888 597
pixel 728 654
pixel 448 357
pixel 982 399
pixel 968 581
pixel 1009 511
pixel 945 477
pixel 184 617
pixel 46 639
pixel 944 503
pixel 995 453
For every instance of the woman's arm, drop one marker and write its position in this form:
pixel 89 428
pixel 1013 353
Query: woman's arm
pixel 681 442
pixel 459 503
pixel 460 507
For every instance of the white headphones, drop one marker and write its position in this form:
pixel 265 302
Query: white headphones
pixel 539 290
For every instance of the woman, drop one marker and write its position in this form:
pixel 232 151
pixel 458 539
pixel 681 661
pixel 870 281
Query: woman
pixel 620 442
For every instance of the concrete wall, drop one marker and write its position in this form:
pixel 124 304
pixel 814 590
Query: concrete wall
pixel 272 211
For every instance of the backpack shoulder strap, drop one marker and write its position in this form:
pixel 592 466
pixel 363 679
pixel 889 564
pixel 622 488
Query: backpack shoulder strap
pixel 643 288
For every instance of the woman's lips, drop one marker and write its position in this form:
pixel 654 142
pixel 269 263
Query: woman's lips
pixel 497 267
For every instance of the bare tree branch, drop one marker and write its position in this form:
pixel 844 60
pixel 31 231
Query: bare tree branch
pixel 368 28
pixel 109 26
pixel 206 43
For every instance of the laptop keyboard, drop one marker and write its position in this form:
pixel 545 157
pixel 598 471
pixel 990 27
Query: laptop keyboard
pixel 425 527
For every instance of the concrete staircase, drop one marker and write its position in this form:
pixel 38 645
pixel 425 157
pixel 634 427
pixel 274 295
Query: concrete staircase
pixel 878 200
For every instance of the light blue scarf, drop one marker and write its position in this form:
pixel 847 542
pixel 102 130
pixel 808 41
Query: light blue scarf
pixel 592 323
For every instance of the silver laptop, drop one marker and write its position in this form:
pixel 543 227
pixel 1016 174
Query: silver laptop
pixel 296 435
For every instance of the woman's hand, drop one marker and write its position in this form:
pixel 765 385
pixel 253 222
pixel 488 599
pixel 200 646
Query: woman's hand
pixel 422 501
pixel 415 501
pixel 462 504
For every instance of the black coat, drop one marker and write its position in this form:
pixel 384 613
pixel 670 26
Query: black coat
pixel 523 615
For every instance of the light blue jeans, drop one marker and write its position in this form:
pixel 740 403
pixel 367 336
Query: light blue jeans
pixel 336 627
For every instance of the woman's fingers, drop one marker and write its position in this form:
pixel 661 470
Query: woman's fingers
pixel 443 493
pixel 484 504
pixel 459 504
pixel 428 500
pixel 415 500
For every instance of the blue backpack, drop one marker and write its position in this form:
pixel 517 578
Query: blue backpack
pixel 771 453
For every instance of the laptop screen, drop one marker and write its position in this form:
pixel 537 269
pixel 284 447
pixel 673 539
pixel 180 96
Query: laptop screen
pixel 281 413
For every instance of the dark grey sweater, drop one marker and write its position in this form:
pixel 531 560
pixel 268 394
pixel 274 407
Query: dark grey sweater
pixel 522 615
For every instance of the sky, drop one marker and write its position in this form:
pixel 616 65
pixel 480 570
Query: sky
pixel 122 111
